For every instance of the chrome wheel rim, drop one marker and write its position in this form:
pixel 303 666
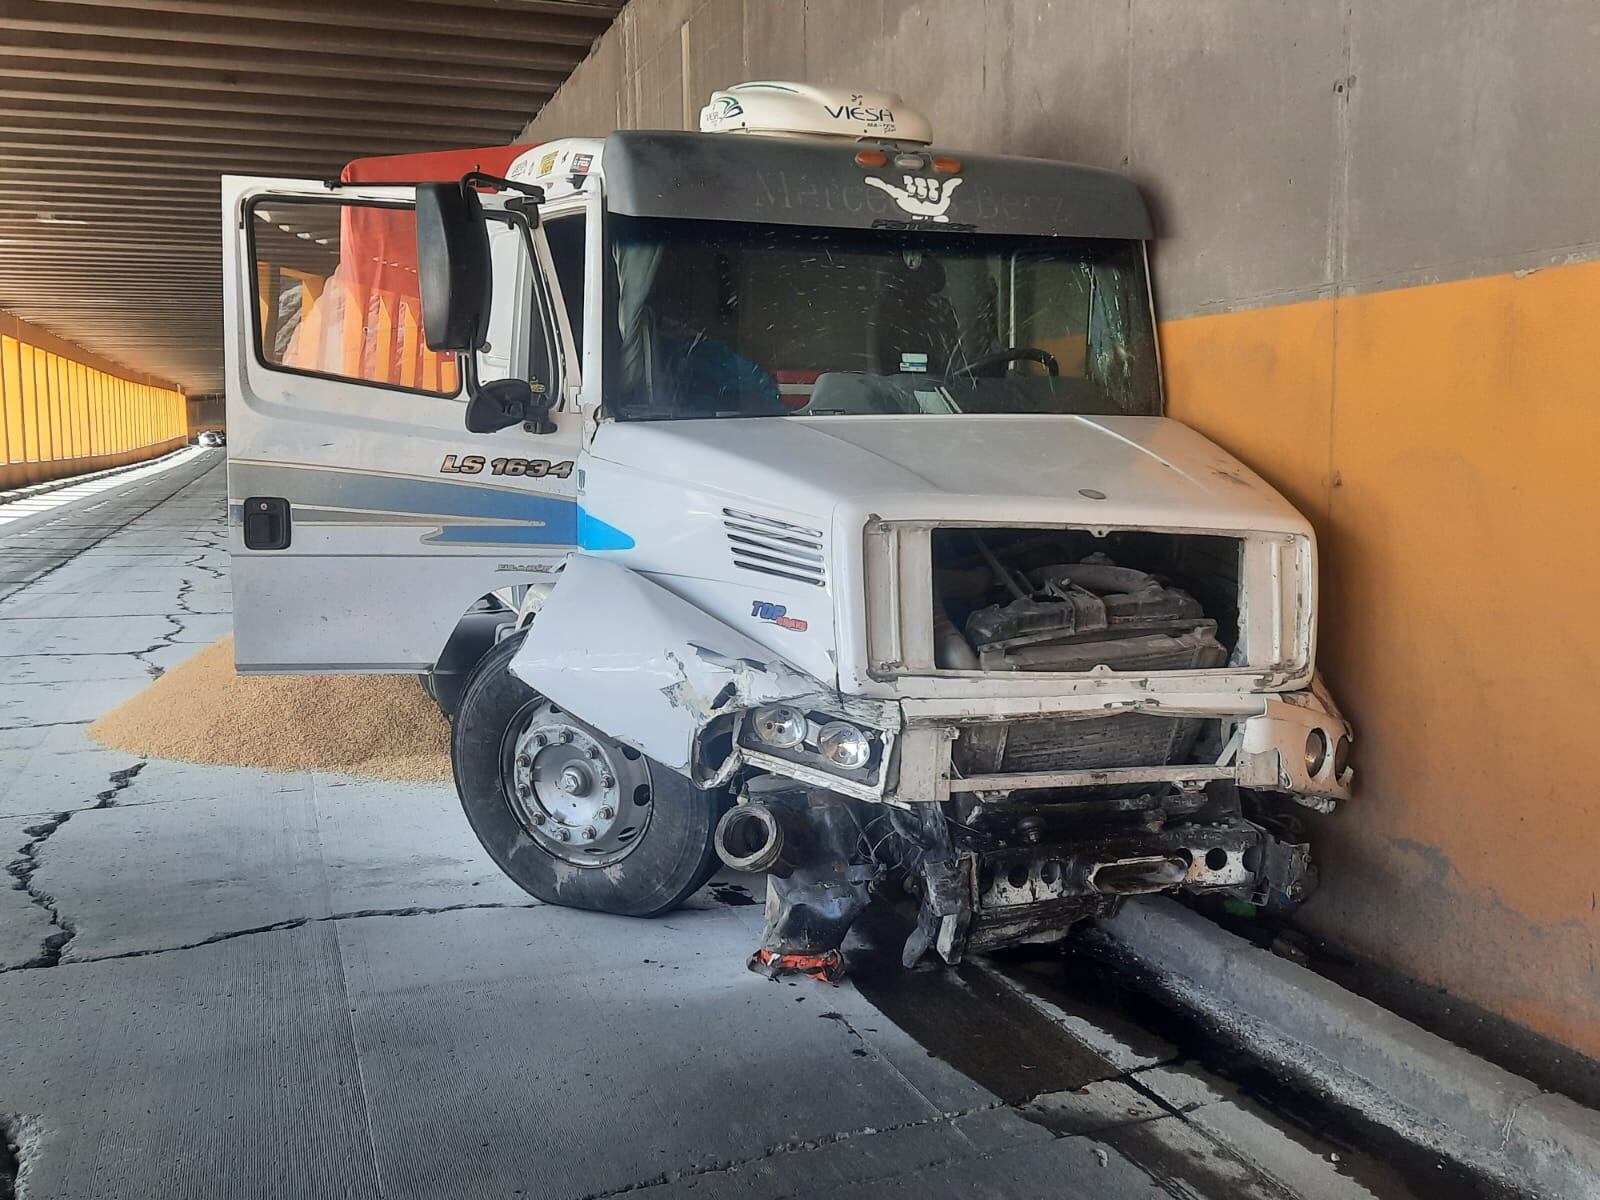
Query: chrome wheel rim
pixel 579 795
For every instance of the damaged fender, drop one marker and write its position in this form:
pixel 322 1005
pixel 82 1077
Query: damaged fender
pixel 1274 755
pixel 653 671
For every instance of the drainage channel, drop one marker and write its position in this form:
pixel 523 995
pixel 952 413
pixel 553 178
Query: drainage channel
pixel 991 1019
pixel 1086 974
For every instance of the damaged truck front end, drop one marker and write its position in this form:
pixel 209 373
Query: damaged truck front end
pixel 1036 732
pixel 891 578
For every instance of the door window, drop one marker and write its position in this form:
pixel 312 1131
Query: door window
pixel 565 237
pixel 337 294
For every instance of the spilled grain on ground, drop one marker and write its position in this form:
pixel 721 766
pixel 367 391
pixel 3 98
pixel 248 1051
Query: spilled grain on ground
pixel 383 726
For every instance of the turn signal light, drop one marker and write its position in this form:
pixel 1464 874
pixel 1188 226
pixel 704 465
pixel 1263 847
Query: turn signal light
pixel 871 158
pixel 947 166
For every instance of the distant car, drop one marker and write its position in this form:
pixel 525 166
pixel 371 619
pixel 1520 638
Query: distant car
pixel 211 437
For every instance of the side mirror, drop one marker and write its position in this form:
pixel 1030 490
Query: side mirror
pixel 455 273
pixel 453 266
pixel 507 402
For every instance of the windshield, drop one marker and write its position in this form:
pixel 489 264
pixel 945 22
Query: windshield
pixel 725 319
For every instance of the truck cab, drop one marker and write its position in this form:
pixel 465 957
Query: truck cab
pixel 794 492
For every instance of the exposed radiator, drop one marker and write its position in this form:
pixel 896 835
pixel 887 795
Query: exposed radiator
pixel 1087 744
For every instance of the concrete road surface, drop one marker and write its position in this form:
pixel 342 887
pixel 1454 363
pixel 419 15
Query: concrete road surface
pixel 219 982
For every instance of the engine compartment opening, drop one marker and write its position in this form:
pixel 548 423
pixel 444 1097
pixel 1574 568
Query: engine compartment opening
pixel 1067 600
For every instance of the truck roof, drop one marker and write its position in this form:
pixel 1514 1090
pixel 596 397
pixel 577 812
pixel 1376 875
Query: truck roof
pixel 802 181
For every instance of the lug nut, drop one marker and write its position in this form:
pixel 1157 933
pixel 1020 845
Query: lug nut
pixel 607 781
pixel 590 833
pixel 606 812
pixel 562 835
pixel 524 791
pixel 537 818
pixel 566 736
pixel 540 740
pixel 524 761
pixel 593 752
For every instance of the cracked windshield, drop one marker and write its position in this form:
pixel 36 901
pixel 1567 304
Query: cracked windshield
pixel 724 319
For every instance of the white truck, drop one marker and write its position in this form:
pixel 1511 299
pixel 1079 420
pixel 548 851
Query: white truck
pixel 793 492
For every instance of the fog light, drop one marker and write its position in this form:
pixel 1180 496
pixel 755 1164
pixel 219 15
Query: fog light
pixel 844 745
pixel 1341 757
pixel 1316 751
pixel 779 725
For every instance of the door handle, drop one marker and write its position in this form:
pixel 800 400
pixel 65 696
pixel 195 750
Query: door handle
pixel 266 523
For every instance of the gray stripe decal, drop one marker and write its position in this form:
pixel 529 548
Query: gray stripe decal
pixel 387 497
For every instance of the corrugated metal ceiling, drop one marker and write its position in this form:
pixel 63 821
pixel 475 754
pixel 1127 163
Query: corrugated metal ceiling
pixel 117 117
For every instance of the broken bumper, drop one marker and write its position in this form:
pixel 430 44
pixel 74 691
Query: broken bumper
pixel 1293 743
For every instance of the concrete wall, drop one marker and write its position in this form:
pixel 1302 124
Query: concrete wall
pixel 1376 223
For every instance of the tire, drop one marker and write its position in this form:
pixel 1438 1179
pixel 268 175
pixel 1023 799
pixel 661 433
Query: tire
pixel 660 868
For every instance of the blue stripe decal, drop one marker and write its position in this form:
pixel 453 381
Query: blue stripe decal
pixel 595 534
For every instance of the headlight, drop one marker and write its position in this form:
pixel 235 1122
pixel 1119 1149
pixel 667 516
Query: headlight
pixel 844 745
pixel 779 725
pixel 1316 751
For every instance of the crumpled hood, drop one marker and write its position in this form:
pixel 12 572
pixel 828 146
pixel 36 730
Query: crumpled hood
pixel 1080 470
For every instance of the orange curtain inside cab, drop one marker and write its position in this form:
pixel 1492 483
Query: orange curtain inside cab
pixel 365 321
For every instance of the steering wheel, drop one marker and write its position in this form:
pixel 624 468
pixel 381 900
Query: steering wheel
pixel 1013 354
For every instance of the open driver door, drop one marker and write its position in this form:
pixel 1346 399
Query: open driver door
pixel 364 519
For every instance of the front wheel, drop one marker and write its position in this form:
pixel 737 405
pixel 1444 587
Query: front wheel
pixel 570 814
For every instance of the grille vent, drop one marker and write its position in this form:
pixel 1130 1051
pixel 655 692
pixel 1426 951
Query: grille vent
pixel 769 546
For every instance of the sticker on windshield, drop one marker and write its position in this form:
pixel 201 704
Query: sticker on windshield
pixel 925 198
pixel 914 362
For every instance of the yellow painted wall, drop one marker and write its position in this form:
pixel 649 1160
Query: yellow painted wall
pixel 1445 440
pixel 64 412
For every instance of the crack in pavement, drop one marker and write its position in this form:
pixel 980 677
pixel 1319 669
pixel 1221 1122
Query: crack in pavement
pixel 22 869
pixel 168 639
pixel 199 564
pixel 274 927
pixel 181 602
pixel 790 1146
pixel 1510 1122
pixel 940 1117
pixel 120 781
